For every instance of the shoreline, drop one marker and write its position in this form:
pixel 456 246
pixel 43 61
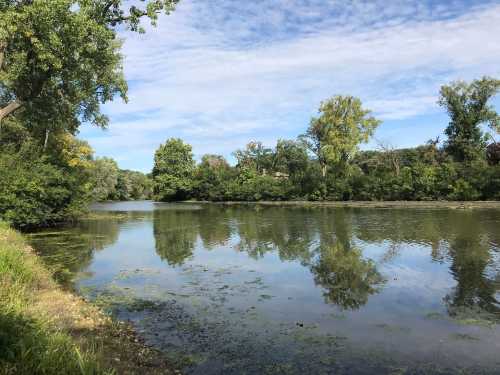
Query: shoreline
pixel 366 204
pixel 50 319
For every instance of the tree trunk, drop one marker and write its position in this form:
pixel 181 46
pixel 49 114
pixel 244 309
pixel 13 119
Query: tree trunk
pixel 3 45
pixel 47 131
pixel 2 54
pixel 323 170
pixel 7 110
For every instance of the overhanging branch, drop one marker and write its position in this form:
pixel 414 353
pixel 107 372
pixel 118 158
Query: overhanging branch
pixel 9 108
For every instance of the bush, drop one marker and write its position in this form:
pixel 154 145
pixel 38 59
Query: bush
pixel 36 192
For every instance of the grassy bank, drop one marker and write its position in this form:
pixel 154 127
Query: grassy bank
pixel 45 330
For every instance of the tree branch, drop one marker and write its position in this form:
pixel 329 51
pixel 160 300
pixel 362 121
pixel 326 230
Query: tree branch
pixel 126 18
pixel 9 108
pixel 106 8
pixel 3 46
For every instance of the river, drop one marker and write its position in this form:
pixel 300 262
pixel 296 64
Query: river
pixel 293 290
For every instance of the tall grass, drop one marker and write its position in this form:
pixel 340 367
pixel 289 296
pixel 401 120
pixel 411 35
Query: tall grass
pixel 29 342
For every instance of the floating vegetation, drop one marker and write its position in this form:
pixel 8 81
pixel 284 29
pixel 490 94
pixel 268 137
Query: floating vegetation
pixel 265 297
pixel 475 322
pixel 435 315
pixel 464 336
pixel 393 328
pixel 481 320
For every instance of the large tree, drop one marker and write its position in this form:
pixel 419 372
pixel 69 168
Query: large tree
pixel 60 59
pixel 335 135
pixel 173 170
pixel 469 108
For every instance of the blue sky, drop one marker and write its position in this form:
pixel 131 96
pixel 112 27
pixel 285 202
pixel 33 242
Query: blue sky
pixel 220 73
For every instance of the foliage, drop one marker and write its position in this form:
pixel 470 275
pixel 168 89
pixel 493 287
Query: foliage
pixel 173 171
pixel 335 135
pixel 105 178
pixel 467 105
pixel 60 60
pixel 59 64
pixel 211 178
pixel 255 156
pixel 41 188
pixel 112 183
pixel 131 185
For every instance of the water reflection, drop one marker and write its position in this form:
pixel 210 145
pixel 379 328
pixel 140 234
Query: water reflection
pixel 347 278
pixel 323 240
pixel 477 286
pixel 71 249
pixel 401 280
pixel 175 234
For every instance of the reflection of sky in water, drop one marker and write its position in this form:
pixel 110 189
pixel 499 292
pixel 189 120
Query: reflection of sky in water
pixel 244 267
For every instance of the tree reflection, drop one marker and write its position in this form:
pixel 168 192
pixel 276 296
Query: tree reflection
pixel 347 278
pixel 288 232
pixel 214 226
pixel 477 284
pixel 464 238
pixel 175 233
pixel 323 240
pixel 69 250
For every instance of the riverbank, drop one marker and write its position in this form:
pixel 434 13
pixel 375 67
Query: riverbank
pixel 368 204
pixel 46 330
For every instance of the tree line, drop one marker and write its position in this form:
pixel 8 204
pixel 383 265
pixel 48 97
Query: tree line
pixel 60 61
pixel 325 163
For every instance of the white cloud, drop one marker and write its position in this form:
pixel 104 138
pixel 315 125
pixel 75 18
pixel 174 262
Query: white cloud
pixel 214 75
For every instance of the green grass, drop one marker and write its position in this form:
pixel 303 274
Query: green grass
pixel 29 342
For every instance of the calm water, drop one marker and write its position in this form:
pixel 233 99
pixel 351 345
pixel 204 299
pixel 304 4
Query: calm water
pixel 275 290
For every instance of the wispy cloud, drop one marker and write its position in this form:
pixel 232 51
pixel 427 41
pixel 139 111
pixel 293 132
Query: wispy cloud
pixel 220 73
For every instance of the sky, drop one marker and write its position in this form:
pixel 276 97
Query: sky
pixel 221 73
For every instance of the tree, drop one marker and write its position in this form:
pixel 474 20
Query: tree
pixel 335 135
pixel 141 185
pixel 38 189
pixel 467 105
pixel 255 156
pixel 105 178
pixel 173 170
pixel 211 176
pixel 60 60
pixel 290 157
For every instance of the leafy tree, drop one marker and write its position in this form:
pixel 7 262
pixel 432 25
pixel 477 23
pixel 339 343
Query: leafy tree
pixel 251 186
pixel 173 170
pixel 211 176
pixel 290 157
pixel 60 60
pixel 38 189
pixel 105 178
pixel 335 135
pixel 255 156
pixel 142 185
pixel 469 108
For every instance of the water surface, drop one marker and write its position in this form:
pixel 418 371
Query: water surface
pixel 291 290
